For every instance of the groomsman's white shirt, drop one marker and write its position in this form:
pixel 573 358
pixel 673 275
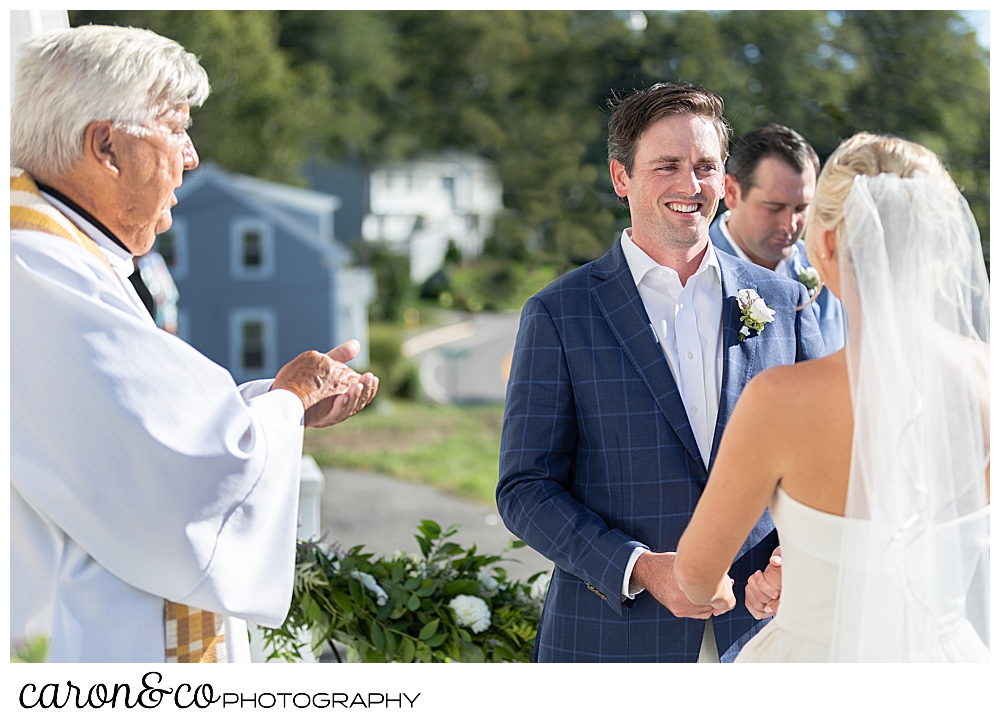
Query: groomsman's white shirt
pixel 784 267
pixel 687 322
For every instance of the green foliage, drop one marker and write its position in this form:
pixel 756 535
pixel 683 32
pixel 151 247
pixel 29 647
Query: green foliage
pixel 35 650
pixel 403 612
pixel 494 284
pixel 392 282
pixel 263 114
pixel 528 89
pixel 398 376
pixel 454 448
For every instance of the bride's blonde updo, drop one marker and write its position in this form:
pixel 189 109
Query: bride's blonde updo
pixel 864 154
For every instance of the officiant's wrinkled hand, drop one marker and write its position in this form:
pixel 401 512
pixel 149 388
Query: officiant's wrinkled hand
pixel 330 391
pixel 764 588
pixel 655 572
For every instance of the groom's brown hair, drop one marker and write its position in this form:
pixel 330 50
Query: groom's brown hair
pixel 635 112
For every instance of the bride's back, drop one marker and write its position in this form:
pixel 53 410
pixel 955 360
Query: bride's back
pixel 811 430
pixel 812 422
pixel 893 239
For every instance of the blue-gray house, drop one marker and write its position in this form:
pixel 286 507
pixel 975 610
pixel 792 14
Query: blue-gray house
pixel 260 273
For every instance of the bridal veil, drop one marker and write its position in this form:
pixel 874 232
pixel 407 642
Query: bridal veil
pixel 916 586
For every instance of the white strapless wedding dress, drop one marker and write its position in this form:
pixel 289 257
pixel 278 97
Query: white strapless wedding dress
pixel 802 629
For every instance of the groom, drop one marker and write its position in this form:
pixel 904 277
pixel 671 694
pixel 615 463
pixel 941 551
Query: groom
pixel 623 376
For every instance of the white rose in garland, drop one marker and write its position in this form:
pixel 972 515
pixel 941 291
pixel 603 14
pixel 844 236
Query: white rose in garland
pixel 471 612
pixel 381 597
pixel 488 583
pixel 540 587
pixel 754 313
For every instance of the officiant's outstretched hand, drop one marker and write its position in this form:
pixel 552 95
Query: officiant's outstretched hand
pixel 330 391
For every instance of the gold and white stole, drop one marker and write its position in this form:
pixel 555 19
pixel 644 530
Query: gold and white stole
pixel 192 635
pixel 29 211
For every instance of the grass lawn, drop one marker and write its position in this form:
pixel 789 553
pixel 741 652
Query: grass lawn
pixel 454 448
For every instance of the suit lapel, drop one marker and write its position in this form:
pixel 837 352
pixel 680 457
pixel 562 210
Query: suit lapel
pixel 737 357
pixel 718 238
pixel 619 302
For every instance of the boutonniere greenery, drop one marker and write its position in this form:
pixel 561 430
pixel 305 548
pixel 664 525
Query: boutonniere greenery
pixel 809 277
pixel 754 313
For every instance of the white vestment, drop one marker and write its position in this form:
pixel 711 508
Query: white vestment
pixel 139 471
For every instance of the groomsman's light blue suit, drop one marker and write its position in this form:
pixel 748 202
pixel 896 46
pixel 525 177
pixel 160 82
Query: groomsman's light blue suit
pixel 598 457
pixel 827 307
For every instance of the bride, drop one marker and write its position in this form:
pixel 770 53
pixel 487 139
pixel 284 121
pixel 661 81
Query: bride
pixel 874 460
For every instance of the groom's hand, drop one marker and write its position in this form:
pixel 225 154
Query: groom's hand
pixel 655 572
pixel 764 588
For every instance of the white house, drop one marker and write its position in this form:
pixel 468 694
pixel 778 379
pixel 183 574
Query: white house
pixel 417 207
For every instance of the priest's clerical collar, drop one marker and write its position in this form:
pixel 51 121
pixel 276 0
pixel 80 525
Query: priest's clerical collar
pixel 86 216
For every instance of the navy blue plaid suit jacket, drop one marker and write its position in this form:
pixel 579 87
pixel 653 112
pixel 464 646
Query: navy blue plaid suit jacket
pixel 597 455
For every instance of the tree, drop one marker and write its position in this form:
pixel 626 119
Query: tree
pixel 263 115
pixel 529 90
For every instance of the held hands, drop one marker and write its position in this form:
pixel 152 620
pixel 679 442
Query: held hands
pixel 330 391
pixel 655 572
pixel 764 588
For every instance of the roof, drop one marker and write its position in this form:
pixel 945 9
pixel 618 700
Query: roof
pixel 304 214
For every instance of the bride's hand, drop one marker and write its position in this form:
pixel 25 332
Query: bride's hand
pixel 724 599
pixel 764 588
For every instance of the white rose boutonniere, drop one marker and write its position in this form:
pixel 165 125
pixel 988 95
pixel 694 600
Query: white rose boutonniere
pixel 754 313
pixel 809 277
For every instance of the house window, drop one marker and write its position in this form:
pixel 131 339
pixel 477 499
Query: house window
pixel 172 245
pixel 252 344
pixel 166 246
pixel 253 253
pixel 253 351
pixel 251 249
pixel 449 188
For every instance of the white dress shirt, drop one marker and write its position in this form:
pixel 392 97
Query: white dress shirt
pixel 784 267
pixel 687 322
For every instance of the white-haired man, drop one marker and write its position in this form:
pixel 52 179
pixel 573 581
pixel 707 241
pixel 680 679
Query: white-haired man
pixel 153 503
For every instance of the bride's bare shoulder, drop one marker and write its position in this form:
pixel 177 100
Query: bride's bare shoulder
pixel 806 377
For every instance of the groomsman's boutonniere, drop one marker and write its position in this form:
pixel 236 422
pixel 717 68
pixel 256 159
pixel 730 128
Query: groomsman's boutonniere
pixel 809 277
pixel 754 313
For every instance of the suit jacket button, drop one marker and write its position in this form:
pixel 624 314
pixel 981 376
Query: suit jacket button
pixel 595 591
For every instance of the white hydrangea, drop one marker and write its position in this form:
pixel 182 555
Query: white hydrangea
pixel 471 612
pixel 540 587
pixel 487 582
pixel 381 596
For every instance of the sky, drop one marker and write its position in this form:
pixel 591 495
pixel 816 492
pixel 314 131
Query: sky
pixel 980 21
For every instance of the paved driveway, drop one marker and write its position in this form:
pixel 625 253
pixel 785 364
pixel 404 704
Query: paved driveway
pixel 382 513
pixel 466 362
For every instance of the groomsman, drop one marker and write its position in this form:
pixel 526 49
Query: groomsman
pixel 770 180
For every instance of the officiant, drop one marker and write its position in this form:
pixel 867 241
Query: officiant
pixel 153 503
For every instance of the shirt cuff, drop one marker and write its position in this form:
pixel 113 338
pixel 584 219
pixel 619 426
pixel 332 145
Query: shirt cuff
pixel 629 591
pixel 249 390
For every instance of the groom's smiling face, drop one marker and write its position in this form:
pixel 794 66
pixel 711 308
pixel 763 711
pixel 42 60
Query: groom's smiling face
pixel 675 184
